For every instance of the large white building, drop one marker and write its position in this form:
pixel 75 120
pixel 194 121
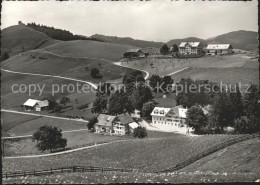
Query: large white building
pixel 170 119
pixel 190 48
pixel 216 49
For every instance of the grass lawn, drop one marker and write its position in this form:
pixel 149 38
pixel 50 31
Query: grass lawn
pixel 92 49
pixel 153 154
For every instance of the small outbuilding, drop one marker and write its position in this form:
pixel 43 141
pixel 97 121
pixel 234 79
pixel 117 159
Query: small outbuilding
pixel 37 105
pixel 134 53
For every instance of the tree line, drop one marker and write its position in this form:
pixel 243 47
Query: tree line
pixel 59 34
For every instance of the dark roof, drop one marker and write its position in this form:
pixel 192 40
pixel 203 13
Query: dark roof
pixel 125 118
pixel 105 120
pixel 133 50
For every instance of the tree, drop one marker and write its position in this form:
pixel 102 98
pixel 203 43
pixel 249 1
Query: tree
pixel 140 95
pixel 94 73
pixel 100 104
pixel 245 125
pixel 52 103
pixel 119 103
pixel 155 81
pixel 220 115
pixel 104 88
pixel 196 118
pixel 252 102
pixel 147 109
pixel 64 100
pixel 49 138
pixel 140 132
pixel 5 56
pixel 237 108
pixel 175 48
pixel 91 123
pixel 166 81
pixel 164 49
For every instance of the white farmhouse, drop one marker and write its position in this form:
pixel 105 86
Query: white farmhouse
pixel 216 49
pixel 190 48
pixel 170 119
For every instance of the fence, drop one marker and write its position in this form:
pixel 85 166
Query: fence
pixel 70 169
pixel 210 151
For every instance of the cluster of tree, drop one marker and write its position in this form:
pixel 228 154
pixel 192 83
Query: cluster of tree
pixel 230 108
pixel 4 56
pixel 165 50
pixel 59 34
pixel 190 92
pixel 55 106
pixel 161 84
pixel 133 96
pixel 49 138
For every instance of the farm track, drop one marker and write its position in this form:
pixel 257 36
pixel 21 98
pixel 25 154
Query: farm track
pixel 42 115
pixel 73 150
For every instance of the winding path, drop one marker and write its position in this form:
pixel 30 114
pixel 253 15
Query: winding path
pixel 120 64
pixel 53 76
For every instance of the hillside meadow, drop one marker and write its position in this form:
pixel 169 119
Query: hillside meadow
pixel 227 69
pixel 163 153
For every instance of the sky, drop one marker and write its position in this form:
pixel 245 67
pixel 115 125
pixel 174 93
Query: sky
pixel 156 20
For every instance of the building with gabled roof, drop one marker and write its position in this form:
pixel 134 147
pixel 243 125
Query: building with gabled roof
pixel 37 105
pixel 134 53
pixel 216 49
pixel 118 125
pixel 190 48
pixel 170 119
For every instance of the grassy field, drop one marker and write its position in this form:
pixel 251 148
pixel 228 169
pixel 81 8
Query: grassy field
pixel 119 177
pixel 228 69
pixel 92 49
pixel 15 38
pixel 74 140
pixel 19 124
pixel 12 100
pixel 239 158
pixel 153 154
pixel 236 163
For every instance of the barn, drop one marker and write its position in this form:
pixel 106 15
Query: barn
pixel 37 105
pixel 219 49
pixel 134 53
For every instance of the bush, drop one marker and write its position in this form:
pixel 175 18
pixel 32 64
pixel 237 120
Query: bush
pixel 95 73
pixel 140 132
pixel 92 122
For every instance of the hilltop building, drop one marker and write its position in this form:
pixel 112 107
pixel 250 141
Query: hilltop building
pixel 37 105
pixel 190 48
pixel 118 125
pixel 219 49
pixel 170 119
